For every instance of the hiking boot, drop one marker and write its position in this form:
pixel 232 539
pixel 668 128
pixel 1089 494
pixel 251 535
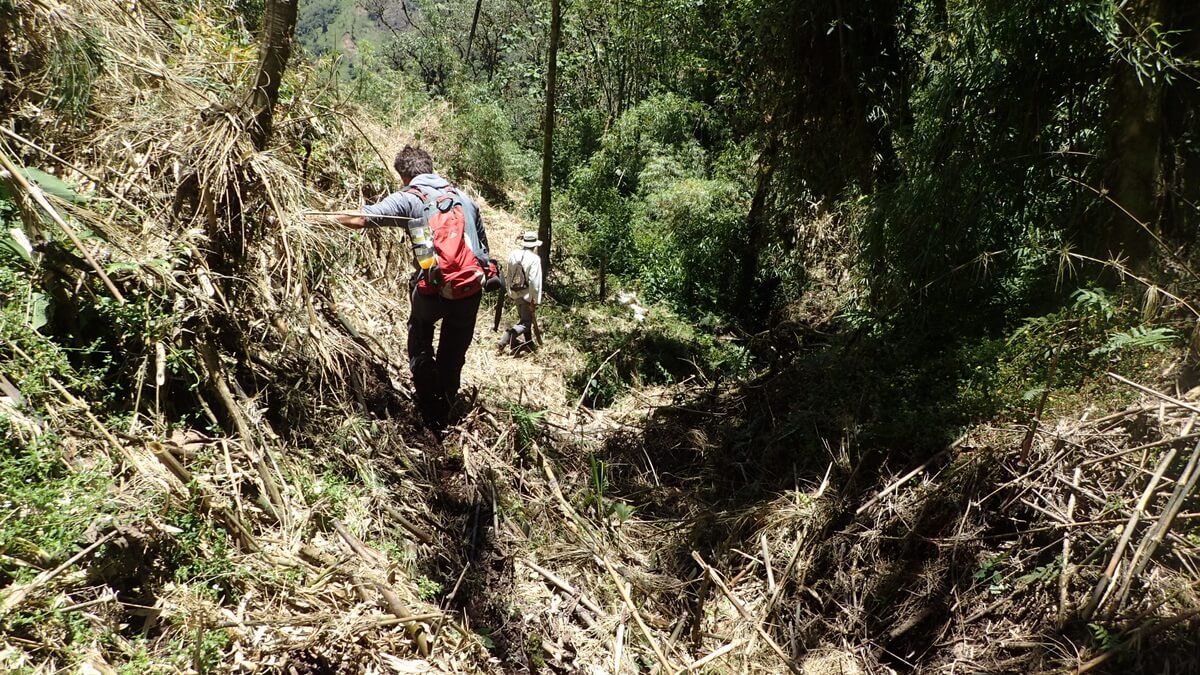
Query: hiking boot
pixel 505 340
pixel 522 343
pixel 462 405
pixel 434 409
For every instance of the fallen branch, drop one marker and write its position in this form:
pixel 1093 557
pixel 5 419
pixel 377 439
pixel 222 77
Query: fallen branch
pixel 1099 593
pixel 422 535
pixel 1139 448
pixel 76 168
pixel 623 589
pixel 698 663
pixel 908 476
pixel 1138 635
pixel 36 193
pixel 716 579
pixel 16 597
pixel 1158 394
pixel 235 524
pixel 216 376
pixel 1154 538
pixel 1064 579
pixel 372 558
pixel 415 630
pixel 565 587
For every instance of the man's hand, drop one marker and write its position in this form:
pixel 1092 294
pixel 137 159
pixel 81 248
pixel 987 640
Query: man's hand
pixel 353 222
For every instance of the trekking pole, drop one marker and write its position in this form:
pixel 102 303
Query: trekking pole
pixel 537 329
pixel 499 311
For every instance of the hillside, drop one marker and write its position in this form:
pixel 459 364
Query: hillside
pixel 210 460
pixel 337 27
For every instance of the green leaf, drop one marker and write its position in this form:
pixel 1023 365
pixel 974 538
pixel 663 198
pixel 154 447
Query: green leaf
pixel 40 310
pixel 622 510
pixel 53 185
pixel 1138 337
pixel 9 240
pixel 1033 393
pixel 122 267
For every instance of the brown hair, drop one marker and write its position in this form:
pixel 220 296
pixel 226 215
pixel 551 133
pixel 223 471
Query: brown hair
pixel 413 162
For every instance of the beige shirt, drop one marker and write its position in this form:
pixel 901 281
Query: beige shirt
pixel 527 259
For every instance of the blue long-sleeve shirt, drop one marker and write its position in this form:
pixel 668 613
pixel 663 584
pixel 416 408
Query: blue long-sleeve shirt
pixel 408 205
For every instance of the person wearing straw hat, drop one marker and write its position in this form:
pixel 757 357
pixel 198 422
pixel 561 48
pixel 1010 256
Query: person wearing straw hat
pixel 436 375
pixel 523 278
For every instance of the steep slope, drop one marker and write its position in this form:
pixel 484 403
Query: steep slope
pixel 211 462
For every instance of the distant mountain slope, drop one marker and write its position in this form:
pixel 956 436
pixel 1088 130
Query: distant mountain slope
pixel 337 26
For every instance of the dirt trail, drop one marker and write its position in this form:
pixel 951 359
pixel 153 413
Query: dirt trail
pixel 536 380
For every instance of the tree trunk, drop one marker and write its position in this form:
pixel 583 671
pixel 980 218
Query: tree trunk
pixel 471 35
pixel 275 47
pixel 603 278
pixel 1135 171
pixel 755 230
pixel 545 230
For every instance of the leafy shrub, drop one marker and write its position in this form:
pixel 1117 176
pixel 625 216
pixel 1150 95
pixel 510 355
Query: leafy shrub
pixel 690 238
pixel 662 349
pixel 1100 330
pixel 483 144
pixel 51 505
pixel 388 93
pixel 984 201
pixel 651 205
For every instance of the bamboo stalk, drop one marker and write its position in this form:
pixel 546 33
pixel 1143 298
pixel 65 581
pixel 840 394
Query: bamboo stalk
pixel 422 535
pixel 1099 593
pixel 899 482
pixel 357 214
pixel 216 374
pixel 414 630
pixel 666 663
pixel 1139 448
pixel 1064 579
pixel 368 555
pixel 565 587
pixel 185 477
pixel 36 193
pixel 1147 390
pixel 716 578
pixel 766 553
pixel 75 167
pixel 1154 538
pixel 698 663
pixel 15 598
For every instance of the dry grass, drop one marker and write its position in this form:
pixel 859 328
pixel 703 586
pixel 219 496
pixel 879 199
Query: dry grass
pixel 338 503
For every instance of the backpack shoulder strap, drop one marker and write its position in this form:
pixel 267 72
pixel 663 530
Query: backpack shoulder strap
pixel 424 193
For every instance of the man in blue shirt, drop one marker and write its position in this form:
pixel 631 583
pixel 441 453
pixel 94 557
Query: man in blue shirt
pixel 436 376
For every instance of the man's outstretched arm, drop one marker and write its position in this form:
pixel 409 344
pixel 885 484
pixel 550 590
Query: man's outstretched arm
pixel 352 222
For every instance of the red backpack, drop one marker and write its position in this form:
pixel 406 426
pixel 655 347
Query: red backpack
pixel 460 270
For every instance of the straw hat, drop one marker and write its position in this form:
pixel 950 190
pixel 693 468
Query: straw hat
pixel 530 240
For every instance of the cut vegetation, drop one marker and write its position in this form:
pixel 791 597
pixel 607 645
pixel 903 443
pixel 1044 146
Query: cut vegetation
pixel 767 431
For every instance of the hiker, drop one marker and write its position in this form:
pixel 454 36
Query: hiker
pixel 453 267
pixel 523 278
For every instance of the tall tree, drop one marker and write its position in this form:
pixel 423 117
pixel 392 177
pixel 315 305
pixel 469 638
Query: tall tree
pixel 756 230
pixel 1135 171
pixel 471 35
pixel 275 47
pixel 545 229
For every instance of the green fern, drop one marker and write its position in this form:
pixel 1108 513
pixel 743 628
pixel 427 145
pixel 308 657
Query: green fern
pixel 1094 301
pixel 1102 636
pixel 1138 337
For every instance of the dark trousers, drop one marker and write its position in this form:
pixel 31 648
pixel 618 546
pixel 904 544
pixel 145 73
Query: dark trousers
pixel 523 329
pixel 436 377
